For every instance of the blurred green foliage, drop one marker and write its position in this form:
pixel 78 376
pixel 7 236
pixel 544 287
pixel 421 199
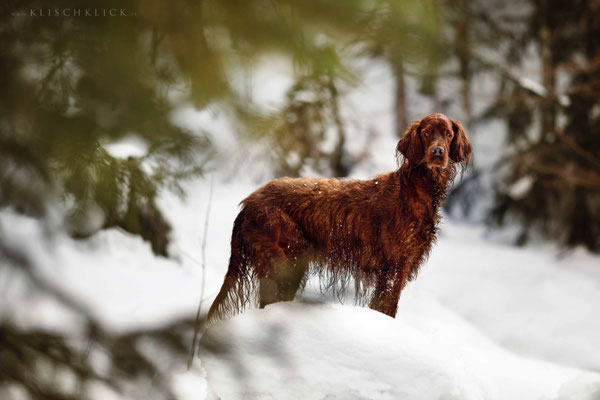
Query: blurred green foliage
pixel 72 84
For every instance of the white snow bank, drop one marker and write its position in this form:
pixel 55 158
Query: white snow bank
pixel 299 351
pixel 113 275
pixel 531 300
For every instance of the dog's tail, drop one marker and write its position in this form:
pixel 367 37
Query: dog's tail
pixel 225 303
pixel 238 289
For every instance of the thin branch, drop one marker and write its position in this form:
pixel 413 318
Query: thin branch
pixel 199 312
pixel 576 178
pixel 576 148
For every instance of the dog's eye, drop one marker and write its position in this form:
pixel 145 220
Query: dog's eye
pixel 425 133
pixel 449 134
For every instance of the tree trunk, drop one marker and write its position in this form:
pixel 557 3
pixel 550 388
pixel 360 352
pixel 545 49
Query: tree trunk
pixel 548 108
pixel 592 29
pixel 338 167
pixel 463 47
pixel 400 99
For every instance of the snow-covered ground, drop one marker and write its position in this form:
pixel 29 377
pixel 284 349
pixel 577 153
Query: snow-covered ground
pixel 295 351
pixel 484 320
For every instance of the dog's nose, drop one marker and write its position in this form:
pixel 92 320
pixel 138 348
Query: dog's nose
pixel 437 151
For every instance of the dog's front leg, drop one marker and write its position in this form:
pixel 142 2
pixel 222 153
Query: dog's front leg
pixel 389 284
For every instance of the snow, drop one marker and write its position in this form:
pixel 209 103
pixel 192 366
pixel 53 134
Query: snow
pixel 484 320
pixel 532 85
pixel 293 350
pixel 540 90
pixel 530 300
pixel 521 187
pixel 129 146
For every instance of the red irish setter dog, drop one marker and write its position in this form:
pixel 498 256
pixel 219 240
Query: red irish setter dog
pixel 377 231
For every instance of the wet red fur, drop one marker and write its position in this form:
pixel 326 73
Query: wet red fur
pixel 376 231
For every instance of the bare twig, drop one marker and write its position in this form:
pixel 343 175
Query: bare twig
pixel 576 177
pixel 590 157
pixel 203 247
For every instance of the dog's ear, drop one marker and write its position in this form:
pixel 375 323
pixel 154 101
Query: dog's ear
pixel 460 148
pixel 410 146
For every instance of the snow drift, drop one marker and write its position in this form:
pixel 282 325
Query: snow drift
pixel 330 351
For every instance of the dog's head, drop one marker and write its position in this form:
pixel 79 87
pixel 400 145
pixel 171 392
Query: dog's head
pixel 434 141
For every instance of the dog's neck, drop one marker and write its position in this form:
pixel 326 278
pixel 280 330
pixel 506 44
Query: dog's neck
pixel 434 181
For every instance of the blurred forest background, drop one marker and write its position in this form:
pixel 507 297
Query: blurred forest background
pixel 72 84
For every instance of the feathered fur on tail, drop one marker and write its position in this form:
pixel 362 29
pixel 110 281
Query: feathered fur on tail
pixel 222 303
pixel 239 288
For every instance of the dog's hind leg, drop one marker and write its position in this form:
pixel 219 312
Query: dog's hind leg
pixel 283 280
pixel 280 255
pixel 288 277
pixel 292 280
pixel 267 258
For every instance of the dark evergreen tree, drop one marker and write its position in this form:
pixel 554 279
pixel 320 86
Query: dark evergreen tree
pixel 551 184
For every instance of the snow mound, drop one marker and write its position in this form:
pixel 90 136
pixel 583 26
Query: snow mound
pixel 330 351
pixel 530 300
